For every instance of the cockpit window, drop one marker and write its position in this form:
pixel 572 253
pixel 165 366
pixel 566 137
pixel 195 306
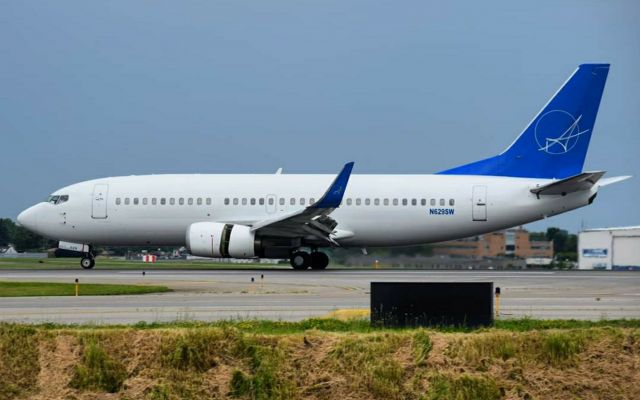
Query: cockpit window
pixel 58 199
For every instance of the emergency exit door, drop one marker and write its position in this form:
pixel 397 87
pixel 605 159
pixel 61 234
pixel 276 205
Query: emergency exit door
pixel 479 203
pixel 99 204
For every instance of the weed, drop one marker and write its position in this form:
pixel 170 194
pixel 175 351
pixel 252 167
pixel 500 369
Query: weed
pixel 240 384
pixel 421 346
pixel 160 392
pixel 465 387
pixel 97 370
pixel 369 362
pixel 559 348
pixel 266 361
pixel 497 345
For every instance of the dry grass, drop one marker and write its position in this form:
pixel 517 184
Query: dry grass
pixel 225 362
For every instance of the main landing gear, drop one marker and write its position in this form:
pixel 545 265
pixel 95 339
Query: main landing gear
pixel 88 260
pixel 301 260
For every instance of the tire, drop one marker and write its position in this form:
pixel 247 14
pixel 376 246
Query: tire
pixel 319 260
pixel 300 260
pixel 87 262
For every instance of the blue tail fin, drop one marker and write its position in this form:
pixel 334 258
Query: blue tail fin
pixel 555 143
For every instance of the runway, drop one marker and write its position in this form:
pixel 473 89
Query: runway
pixel 294 295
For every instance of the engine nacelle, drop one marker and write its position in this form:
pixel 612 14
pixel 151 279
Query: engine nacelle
pixel 213 239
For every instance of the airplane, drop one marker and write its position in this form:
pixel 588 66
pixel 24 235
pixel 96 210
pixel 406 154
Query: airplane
pixel 295 216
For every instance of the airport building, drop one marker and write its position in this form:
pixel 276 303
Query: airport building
pixel 609 248
pixel 511 242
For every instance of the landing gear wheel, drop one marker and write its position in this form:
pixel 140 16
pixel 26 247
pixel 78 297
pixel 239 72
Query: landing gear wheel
pixel 87 262
pixel 300 260
pixel 319 260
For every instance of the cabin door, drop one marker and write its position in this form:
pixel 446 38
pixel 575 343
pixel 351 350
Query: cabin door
pixel 479 203
pixel 99 205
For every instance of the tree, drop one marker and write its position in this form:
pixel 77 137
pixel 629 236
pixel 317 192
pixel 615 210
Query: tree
pixel 5 233
pixel 559 237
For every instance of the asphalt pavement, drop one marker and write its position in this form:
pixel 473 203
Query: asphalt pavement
pixel 296 295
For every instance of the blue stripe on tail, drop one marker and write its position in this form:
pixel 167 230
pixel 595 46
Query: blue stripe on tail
pixel 555 143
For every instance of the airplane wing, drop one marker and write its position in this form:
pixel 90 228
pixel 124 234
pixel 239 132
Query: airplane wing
pixel 313 220
pixel 583 181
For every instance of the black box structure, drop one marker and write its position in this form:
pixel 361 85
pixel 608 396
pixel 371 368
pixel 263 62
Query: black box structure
pixel 409 304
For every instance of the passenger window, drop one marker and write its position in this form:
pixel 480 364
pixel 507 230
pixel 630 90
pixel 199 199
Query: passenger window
pixel 441 202
pixel 226 201
pixel 235 201
pixel 253 201
pixel 181 201
pixel 358 201
pixel 144 201
pixel 367 202
pixel 163 201
pixel 117 201
pixel 349 202
pixel 292 201
pixel 261 201
pixel 302 201
pixel 281 201
pixel 404 202
pixel 395 202
pixel 126 201
pixel 271 201
pixel 414 202
pixel 190 201
pixel 386 202
pixel 433 202
pixel 423 202
pixel 153 201
pixel 451 202
pixel 172 201
pixel 244 201
pixel 312 200
pixel 208 201
pixel 376 202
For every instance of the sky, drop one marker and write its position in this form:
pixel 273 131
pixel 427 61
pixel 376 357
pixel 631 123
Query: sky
pixel 94 89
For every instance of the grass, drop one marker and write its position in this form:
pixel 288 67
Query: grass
pixel 319 358
pixel 270 327
pixel 19 366
pixel 22 289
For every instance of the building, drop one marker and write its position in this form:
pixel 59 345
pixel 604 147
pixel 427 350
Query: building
pixel 609 248
pixel 512 243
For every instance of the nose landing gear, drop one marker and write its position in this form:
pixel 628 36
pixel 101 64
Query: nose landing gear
pixel 301 260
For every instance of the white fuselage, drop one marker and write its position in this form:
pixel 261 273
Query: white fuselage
pixel 377 210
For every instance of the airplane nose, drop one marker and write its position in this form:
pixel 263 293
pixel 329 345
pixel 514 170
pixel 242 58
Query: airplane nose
pixel 28 219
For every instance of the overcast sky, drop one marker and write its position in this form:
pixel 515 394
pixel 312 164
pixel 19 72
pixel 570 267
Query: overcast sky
pixel 92 89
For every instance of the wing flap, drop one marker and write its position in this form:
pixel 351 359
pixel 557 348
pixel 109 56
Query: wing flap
pixel 313 220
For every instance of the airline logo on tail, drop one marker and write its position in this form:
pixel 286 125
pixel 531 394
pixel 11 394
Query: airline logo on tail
pixel 550 140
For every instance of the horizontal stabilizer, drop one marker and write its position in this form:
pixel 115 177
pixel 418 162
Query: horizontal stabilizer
pixel 612 180
pixel 577 183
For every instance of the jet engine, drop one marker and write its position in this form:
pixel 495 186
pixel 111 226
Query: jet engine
pixel 214 239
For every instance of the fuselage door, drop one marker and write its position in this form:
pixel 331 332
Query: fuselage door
pixel 99 202
pixel 270 203
pixel 479 203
